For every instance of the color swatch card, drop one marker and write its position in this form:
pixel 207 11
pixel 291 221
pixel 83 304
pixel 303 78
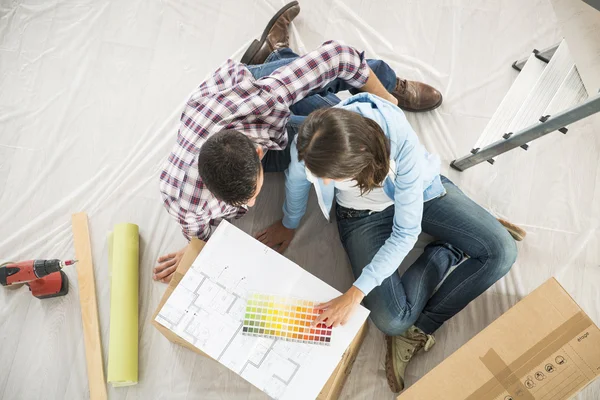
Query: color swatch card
pixel 284 318
pixel 243 304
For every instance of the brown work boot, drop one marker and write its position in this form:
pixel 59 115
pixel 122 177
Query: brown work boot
pixel 416 96
pixel 400 350
pixel 515 231
pixel 275 36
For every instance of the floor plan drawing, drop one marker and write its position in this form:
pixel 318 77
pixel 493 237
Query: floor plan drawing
pixel 207 309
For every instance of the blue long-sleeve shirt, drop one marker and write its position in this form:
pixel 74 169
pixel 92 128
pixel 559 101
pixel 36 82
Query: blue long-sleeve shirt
pixel 416 181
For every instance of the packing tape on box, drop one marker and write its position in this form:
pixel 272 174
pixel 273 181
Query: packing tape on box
pixel 123 253
pixel 506 377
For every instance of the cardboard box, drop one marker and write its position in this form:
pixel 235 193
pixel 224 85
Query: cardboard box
pixel 334 385
pixel 543 348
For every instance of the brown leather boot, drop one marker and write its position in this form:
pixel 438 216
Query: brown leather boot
pixel 275 36
pixel 416 96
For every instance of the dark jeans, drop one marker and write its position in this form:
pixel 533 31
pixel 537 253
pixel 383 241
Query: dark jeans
pixel 278 161
pixel 462 228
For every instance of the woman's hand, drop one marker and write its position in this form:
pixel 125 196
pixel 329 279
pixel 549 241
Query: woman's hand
pixel 339 310
pixel 276 235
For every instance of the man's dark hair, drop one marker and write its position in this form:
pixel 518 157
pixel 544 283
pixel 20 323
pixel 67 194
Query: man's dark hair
pixel 229 166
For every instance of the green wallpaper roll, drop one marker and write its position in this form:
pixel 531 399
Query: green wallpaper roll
pixel 123 251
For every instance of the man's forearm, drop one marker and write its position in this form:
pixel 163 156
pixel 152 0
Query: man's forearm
pixel 374 86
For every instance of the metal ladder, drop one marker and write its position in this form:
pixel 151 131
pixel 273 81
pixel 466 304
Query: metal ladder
pixel 548 95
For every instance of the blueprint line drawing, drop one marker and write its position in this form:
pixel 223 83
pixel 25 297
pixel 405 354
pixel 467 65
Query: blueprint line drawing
pixel 208 308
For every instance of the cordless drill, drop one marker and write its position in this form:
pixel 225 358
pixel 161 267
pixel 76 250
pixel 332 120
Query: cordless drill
pixel 45 278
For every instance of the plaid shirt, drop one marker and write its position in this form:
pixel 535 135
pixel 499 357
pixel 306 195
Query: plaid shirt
pixel 232 99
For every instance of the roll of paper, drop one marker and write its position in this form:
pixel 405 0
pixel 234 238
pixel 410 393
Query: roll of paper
pixel 123 251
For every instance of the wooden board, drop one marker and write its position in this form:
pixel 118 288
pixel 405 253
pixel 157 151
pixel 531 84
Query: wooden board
pixel 89 307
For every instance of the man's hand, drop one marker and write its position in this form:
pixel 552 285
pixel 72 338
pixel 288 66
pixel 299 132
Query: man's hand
pixel 167 265
pixel 339 310
pixel 276 235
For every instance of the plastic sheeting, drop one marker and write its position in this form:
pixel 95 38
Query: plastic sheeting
pixel 90 96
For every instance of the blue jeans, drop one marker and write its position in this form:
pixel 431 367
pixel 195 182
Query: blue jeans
pixel 278 161
pixel 462 228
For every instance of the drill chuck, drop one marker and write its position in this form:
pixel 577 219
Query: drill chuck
pixel 42 268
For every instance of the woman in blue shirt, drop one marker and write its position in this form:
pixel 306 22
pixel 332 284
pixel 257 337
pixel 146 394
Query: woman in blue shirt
pixel 364 154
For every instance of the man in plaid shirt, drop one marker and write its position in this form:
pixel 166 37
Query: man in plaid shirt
pixel 248 112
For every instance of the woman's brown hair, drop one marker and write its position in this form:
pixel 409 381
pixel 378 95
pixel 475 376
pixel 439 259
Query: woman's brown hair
pixel 339 144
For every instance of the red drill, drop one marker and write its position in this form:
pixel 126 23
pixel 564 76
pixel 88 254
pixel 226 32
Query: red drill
pixel 45 278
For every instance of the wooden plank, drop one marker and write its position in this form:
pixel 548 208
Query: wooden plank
pixel 89 307
pixel 334 385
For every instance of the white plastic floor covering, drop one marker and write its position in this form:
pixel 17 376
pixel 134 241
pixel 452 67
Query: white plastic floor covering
pixel 90 96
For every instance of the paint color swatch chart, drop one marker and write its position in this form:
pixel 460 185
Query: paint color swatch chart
pixel 284 318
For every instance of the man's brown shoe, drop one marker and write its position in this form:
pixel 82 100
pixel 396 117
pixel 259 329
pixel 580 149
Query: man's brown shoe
pixel 275 36
pixel 416 96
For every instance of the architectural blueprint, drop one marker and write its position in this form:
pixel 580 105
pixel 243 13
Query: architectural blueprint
pixel 207 309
